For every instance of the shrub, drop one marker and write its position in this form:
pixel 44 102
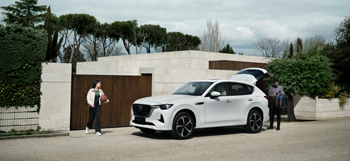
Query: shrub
pixel 21 54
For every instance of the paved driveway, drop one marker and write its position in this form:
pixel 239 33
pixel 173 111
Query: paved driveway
pixel 308 140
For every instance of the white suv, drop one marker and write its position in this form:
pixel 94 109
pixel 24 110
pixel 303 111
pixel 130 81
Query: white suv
pixel 204 104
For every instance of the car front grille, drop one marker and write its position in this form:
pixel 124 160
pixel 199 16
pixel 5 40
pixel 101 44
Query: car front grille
pixel 142 110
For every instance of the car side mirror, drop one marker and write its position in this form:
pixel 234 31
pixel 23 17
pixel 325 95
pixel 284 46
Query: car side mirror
pixel 215 94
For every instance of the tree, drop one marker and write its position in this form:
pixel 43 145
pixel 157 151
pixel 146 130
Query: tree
pixel 156 37
pixel 52 29
pixel 271 47
pixel 307 74
pixel 299 46
pixel 191 43
pixel 92 53
pixel 290 55
pixel 24 12
pixel 76 58
pixel 138 37
pixel 227 49
pixel 343 33
pixel 212 40
pixel 175 41
pixel 76 24
pixel 317 41
pixel 108 39
pixel 124 30
pixel 339 53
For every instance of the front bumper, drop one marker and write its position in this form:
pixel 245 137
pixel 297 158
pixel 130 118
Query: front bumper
pixel 158 119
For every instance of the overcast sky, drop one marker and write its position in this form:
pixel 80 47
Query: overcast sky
pixel 242 21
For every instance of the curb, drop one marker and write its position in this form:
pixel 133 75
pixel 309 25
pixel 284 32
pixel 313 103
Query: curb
pixel 54 134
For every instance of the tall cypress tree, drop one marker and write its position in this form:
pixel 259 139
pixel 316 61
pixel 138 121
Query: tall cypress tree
pixel 290 51
pixel 52 30
pixel 299 46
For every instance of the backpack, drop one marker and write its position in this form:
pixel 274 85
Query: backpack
pixel 281 100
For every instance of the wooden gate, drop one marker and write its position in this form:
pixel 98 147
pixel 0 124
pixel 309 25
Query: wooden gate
pixel 121 91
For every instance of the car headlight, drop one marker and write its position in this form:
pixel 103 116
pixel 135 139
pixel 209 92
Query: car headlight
pixel 163 107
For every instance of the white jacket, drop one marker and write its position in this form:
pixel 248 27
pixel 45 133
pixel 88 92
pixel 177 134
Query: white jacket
pixel 91 96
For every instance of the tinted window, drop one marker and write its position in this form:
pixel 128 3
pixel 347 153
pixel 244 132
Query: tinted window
pixel 240 89
pixel 221 88
pixel 193 88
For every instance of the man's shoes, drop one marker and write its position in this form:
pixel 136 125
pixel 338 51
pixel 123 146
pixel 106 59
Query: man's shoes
pixel 98 134
pixel 270 127
pixel 278 128
pixel 87 130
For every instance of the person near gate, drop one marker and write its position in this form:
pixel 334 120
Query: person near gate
pixel 94 100
pixel 273 89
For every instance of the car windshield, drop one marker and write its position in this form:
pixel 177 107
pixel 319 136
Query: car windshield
pixel 193 88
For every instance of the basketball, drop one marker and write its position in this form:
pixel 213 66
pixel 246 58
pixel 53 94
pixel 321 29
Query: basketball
pixel 103 98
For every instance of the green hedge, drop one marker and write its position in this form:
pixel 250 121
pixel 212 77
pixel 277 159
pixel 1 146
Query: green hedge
pixel 22 50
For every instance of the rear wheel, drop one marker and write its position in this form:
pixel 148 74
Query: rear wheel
pixel 183 126
pixel 147 131
pixel 254 122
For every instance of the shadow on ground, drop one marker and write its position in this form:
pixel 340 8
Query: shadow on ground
pixel 199 132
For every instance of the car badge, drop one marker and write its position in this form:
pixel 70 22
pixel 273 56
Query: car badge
pixel 140 107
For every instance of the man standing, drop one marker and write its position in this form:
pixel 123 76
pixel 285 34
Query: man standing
pixel 273 89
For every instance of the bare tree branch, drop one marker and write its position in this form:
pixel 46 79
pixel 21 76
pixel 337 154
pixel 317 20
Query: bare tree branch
pixel 212 40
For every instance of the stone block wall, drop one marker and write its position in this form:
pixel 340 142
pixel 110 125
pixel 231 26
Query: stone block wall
pixel 310 109
pixel 170 70
pixel 56 96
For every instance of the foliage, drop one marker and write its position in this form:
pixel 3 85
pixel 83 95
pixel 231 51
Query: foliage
pixel 20 67
pixel 177 41
pixel 339 53
pixel 343 33
pixel 290 55
pixel 308 74
pixel 14 132
pixel 340 59
pixel 192 42
pixel 299 46
pixel 343 99
pixel 156 38
pixel 343 96
pixel 78 25
pixel 124 30
pixel 333 92
pixel 24 12
pixel 227 49
pixel 75 59
pixel 52 30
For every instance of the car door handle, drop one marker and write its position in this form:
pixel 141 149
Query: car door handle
pixel 199 103
pixel 250 99
pixel 228 101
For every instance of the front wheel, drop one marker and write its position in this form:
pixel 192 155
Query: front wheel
pixel 254 122
pixel 183 126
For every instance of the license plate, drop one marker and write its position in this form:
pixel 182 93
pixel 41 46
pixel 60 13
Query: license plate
pixel 139 120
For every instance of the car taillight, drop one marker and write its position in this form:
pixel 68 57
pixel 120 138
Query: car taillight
pixel 267 97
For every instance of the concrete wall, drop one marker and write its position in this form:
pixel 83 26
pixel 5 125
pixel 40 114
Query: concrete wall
pixel 56 96
pixel 169 70
pixel 310 109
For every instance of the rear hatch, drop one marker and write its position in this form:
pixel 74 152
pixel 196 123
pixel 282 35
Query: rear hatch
pixel 250 75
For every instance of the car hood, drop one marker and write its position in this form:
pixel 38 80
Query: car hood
pixel 155 100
